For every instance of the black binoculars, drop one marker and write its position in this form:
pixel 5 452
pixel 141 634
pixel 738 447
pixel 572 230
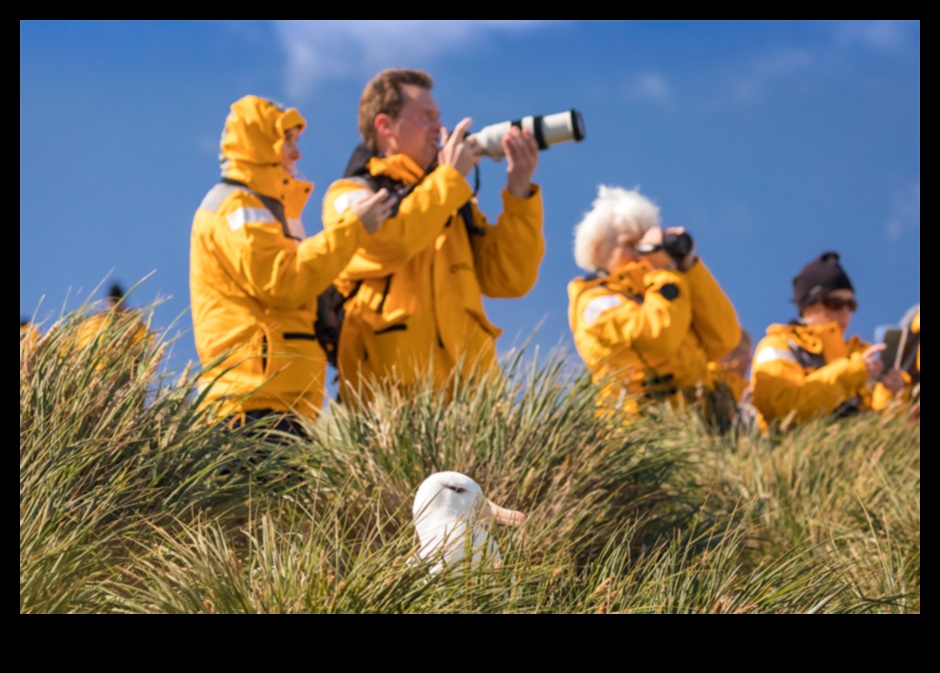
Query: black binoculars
pixel 676 246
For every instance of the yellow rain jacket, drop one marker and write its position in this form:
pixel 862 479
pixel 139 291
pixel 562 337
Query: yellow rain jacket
pixel 29 335
pixel 419 305
pixel 255 276
pixel 107 337
pixel 811 371
pixel 92 326
pixel 649 333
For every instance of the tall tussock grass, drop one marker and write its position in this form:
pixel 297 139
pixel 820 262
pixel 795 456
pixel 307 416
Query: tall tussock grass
pixel 130 501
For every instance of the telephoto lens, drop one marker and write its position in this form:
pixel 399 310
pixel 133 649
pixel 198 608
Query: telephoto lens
pixel 547 130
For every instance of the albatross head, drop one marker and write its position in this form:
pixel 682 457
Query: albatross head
pixel 447 506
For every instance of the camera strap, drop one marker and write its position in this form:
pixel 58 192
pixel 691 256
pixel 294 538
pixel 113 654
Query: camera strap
pixel 467 212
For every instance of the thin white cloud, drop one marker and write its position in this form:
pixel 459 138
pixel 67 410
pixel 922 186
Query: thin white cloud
pixel 767 71
pixel 322 50
pixel 650 87
pixel 208 145
pixel 878 35
pixel 905 214
pixel 771 70
pixel 894 229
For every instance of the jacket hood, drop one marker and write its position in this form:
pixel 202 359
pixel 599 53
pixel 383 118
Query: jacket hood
pixel 252 141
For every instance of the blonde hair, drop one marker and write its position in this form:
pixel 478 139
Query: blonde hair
pixel 615 211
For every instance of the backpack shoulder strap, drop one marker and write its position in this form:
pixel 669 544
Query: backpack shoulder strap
pixel 273 205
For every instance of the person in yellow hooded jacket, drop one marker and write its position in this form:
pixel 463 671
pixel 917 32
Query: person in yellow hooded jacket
pixel 116 315
pixel 110 338
pixel 646 322
pixel 808 368
pixel 415 289
pixel 255 274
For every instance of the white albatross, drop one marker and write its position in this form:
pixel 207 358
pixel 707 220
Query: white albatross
pixel 447 506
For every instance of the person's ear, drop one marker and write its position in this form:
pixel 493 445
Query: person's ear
pixel 383 124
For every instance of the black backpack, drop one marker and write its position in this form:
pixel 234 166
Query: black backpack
pixel 331 310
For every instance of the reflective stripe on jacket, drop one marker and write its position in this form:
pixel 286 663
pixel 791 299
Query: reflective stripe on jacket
pixel 651 332
pixel 419 306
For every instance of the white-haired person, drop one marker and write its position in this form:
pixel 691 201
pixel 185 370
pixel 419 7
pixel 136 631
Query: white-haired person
pixel 648 318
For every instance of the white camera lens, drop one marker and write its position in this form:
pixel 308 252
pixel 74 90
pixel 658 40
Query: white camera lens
pixel 547 130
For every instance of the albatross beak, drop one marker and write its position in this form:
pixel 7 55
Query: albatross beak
pixel 510 517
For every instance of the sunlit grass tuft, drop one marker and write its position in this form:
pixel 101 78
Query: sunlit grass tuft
pixel 123 507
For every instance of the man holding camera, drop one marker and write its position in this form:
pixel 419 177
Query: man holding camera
pixel 650 316
pixel 415 307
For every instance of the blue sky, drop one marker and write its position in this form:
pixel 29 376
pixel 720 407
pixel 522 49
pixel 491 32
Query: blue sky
pixel 769 141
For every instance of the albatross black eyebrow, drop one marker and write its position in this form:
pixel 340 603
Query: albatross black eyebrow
pixel 456 489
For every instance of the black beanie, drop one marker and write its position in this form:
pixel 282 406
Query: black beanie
pixel 819 278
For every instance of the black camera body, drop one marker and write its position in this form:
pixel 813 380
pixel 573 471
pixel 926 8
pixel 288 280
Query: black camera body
pixel 676 246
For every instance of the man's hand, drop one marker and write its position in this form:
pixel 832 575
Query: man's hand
pixel 522 157
pixel 456 151
pixel 373 210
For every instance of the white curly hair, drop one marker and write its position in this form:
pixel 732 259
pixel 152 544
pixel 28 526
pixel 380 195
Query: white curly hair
pixel 615 211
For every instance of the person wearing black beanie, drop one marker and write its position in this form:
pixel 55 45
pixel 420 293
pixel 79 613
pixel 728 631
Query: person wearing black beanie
pixel 818 278
pixel 808 368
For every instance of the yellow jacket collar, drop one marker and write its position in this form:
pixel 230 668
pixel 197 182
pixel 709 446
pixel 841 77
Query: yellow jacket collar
pixel 399 167
pixel 629 278
pixel 810 338
pixel 274 181
pixel 633 274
